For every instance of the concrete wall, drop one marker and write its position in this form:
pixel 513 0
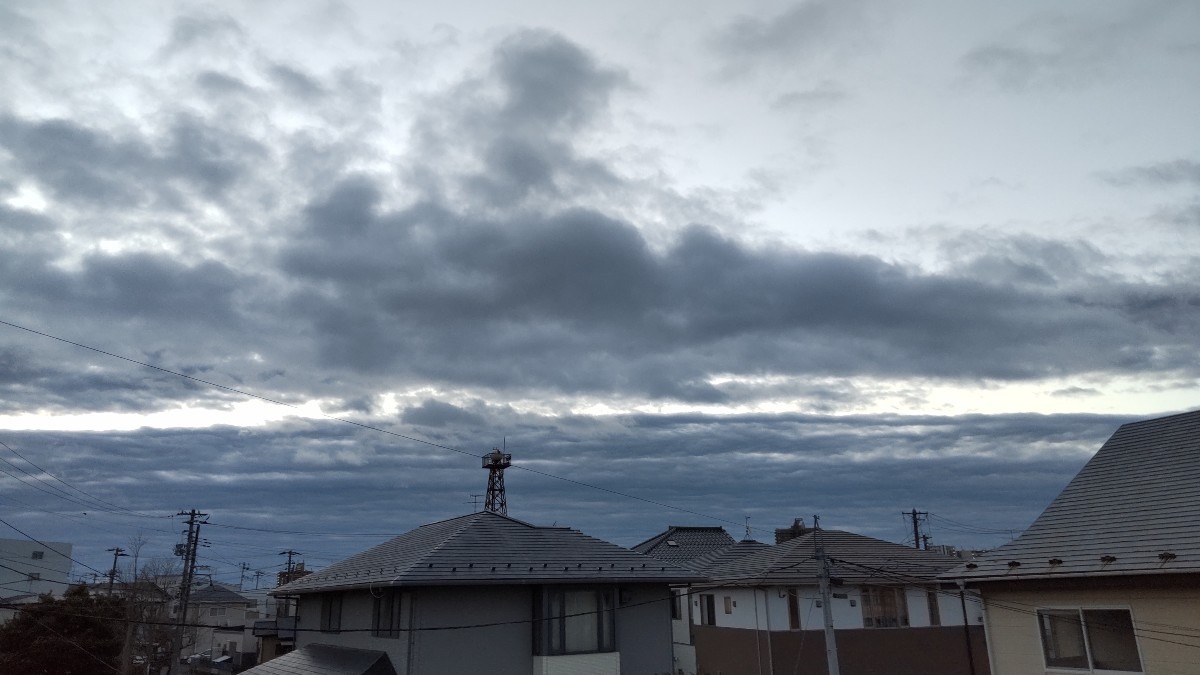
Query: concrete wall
pixel 1165 610
pixel 54 569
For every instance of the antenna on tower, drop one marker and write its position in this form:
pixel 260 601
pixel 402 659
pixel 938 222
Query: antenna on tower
pixel 496 462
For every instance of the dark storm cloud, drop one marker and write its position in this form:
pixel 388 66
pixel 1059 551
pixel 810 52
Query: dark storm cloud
pixel 858 472
pixel 580 302
pixel 805 31
pixel 88 166
pixel 434 413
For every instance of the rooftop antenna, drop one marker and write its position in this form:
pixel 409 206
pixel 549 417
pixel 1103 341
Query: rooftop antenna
pixel 496 462
pixel 747 528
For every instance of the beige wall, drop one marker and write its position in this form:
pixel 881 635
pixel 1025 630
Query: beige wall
pixel 1015 645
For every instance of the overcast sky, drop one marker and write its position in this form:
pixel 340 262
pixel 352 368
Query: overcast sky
pixel 762 259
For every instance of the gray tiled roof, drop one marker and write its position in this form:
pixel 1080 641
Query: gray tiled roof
pixel 1137 498
pixel 219 594
pixel 327 660
pixel 681 543
pixel 853 557
pixel 489 549
pixel 713 560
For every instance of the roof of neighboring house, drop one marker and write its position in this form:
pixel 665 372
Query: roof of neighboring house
pixel 681 543
pixel 327 660
pixel 712 560
pixel 489 549
pixel 219 594
pixel 853 558
pixel 1134 508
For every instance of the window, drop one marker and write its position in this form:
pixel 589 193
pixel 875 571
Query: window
pixel 728 605
pixel 216 611
pixel 884 607
pixel 793 596
pixel 1097 639
pixel 574 621
pixel 331 613
pixel 676 606
pixel 38 555
pixel 386 622
pixel 935 616
pixel 708 610
pixel 35 576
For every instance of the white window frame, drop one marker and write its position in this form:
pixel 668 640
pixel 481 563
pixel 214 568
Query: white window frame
pixel 1080 609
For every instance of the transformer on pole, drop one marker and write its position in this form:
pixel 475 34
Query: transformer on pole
pixel 496 462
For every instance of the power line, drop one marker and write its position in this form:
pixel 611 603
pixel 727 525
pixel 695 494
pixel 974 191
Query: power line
pixel 50 548
pixel 359 424
pixel 80 491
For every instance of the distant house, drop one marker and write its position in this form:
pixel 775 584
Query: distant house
pixel 1107 579
pixel 222 619
pixel 761 610
pixel 29 569
pixel 681 545
pixel 485 593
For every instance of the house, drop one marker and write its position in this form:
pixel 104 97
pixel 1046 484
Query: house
pixel 1107 579
pixel 489 593
pixel 680 545
pixel 221 619
pixel 761 610
pixel 29 569
pixel 34 568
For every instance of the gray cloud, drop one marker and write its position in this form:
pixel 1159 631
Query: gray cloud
pixel 994 472
pixel 811 30
pixel 1057 50
pixel 1175 172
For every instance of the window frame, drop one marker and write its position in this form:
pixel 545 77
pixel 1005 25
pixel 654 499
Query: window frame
pixel 793 607
pixel 868 600
pixel 551 620
pixel 1086 637
pixel 388 604
pixel 331 613
pixel 676 605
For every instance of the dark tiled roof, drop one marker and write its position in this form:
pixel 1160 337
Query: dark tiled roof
pixel 327 660
pixel 854 558
pixel 489 549
pixel 219 594
pixel 681 543
pixel 708 562
pixel 1134 508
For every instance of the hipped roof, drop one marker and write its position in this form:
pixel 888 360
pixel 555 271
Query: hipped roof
pixel 489 549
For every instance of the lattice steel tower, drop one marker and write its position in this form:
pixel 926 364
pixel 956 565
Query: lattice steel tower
pixel 496 462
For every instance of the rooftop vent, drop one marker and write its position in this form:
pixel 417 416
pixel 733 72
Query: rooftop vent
pixel 1166 556
pixel 1056 561
pixel 672 542
pixel 1014 563
pixel 972 566
pixel 1106 559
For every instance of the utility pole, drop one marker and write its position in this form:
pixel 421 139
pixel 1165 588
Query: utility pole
pixel 258 574
pixel 917 526
pixel 831 653
pixel 188 552
pixel 925 538
pixel 242 578
pixel 117 552
pixel 289 553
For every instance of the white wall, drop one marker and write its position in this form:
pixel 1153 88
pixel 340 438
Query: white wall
pixel 772 608
pixel 54 568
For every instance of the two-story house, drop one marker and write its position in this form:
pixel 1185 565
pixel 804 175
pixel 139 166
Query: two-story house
pixel 486 593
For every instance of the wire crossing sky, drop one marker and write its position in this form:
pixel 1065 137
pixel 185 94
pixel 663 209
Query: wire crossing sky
pixel 762 259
